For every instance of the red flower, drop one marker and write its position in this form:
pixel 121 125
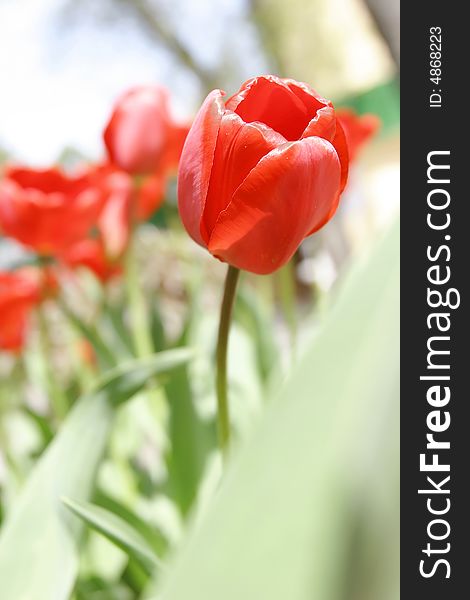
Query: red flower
pixel 103 252
pixel 261 171
pixel 47 210
pixel 358 129
pixel 149 195
pixel 20 292
pixel 141 136
pixel 124 202
pixel 179 133
pixel 114 220
pixel 91 254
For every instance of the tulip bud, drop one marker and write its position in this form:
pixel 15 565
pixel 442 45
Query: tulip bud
pixel 141 136
pixel 261 171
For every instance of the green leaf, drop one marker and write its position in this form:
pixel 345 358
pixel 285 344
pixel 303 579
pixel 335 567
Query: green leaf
pixel 38 543
pixel 251 314
pixel 156 326
pixel 307 507
pixel 116 530
pixel 115 317
pixel 42 423
pixel 105 355
pixel 128 378
pixel 152 535
pixel 191 439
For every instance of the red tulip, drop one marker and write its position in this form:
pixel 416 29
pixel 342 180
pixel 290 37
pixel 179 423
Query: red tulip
pixel 261 171
pixel 179 133
pixel 144 196
pixel 47 210
pixel 141 136
pixel 114 221
pixel 358 129
pixel 124 203
pixel 149 195
pixel 20 292
pixel 91 254
pixel 102 252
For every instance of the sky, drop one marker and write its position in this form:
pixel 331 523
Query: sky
pixel 60 76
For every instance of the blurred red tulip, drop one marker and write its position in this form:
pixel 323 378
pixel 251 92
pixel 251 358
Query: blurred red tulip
pixel 141 136
pixel 179 133
pixel 103 252
pixel 44 278
pixel 114 220
pixel 261 171
pixel 358 129
pixel 137 199
pixel 149 195
pixel 20 292
pixel 124 202
pixel 47 210
pixel 91 254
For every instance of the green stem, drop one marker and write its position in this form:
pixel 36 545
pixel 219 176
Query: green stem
pixel 56 393
pixel 223 413
pixel 140 324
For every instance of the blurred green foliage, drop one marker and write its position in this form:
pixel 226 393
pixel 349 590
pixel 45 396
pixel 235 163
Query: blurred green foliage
pixel 309 507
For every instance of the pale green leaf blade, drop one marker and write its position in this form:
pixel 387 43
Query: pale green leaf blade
pixel 318 473
pixel 38 543
pixel 116 530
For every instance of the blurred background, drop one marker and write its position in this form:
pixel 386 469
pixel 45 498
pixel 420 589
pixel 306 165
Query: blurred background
pixel 63 65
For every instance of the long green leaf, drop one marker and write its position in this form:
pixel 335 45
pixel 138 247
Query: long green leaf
pixel 38 543
pixel 105 355
pixel 250 312
pixel 155 538
pixel 116 530
pixel 191 440
pixel 307 508
pixel 191 437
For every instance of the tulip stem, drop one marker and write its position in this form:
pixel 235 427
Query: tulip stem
pixel 140 325
pixel 223 413
pixel 57 396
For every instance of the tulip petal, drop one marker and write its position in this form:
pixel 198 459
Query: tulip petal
pixel 91 254
pixel 176 138
pixel 196 164
pixel 240 146
pixel 47 210
pixel 291 191
pixel 47 181
pixel 322 125
pixel 19 293
pixel 341 146
pixel 115 217
pixel 137 132
pixel 358 129
pixel 150 195
pixel 269 100
pixel 311 99
pixel 325 124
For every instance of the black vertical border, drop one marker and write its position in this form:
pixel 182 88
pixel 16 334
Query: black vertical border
pixel 424 129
